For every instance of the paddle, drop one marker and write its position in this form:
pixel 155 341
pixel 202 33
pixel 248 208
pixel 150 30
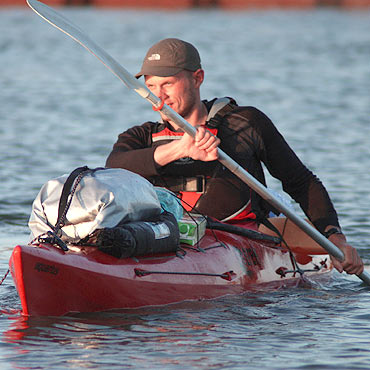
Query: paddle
pixel 131 82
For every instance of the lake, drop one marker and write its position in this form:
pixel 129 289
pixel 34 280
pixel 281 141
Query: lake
pixel 60 108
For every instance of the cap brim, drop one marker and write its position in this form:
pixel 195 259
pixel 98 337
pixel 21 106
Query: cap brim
pixel 159 71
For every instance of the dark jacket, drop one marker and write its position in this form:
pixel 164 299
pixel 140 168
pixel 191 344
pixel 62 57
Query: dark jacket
pixel 249 137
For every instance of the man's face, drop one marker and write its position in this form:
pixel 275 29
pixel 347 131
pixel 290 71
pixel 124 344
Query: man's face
pixel 180 92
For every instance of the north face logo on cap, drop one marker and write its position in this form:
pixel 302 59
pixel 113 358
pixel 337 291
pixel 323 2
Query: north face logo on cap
pixel 154 57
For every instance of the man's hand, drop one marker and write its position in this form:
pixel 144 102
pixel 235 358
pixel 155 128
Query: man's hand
pixel 352 263
pixel 202 148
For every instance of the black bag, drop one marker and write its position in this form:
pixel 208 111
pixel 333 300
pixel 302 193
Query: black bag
pixel 140 238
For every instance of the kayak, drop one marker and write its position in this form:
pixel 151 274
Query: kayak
pixel 54 282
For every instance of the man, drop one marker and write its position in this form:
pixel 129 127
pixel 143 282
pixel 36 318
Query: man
pixel 166 156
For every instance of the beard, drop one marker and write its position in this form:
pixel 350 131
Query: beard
pixel 188 106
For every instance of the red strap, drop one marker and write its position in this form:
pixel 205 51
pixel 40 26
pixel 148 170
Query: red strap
pixel 189 199
pixel 245 214
pixel 159 107
pixel 167 134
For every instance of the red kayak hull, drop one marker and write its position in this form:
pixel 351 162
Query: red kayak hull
pixel 52 282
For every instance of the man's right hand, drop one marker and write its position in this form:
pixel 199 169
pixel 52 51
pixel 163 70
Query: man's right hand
pixel 204 147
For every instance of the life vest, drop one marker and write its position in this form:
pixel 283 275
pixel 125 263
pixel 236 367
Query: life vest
pixel 191 189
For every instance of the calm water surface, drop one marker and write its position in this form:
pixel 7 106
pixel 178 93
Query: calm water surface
pixel 60 109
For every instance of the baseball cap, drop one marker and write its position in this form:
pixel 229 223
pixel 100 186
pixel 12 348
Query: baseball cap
pixel 168 57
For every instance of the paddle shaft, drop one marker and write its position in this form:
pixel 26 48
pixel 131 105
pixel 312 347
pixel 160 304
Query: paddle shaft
pixel 66 26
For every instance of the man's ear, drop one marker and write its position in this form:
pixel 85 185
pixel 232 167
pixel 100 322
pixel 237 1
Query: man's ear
pixel 198 76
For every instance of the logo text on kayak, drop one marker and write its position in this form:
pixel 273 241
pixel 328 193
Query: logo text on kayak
pixel 42 267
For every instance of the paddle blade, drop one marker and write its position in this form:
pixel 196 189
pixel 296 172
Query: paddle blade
pixel 295 238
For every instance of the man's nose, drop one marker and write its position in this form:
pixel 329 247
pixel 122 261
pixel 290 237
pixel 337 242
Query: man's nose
pixel 162 94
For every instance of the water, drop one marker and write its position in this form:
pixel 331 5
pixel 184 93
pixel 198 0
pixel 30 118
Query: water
pixel 60 109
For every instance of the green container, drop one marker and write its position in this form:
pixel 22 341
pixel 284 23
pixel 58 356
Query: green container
pixel 192 228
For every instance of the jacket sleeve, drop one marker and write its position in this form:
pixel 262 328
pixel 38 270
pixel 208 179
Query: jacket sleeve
pixel 297 180
pixel 133 151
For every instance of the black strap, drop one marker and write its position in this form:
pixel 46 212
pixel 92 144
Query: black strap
pixel 255 235
pixel 64 203
pixel 215 121
pixel 181 183
pixel 67 190
pixel 266 222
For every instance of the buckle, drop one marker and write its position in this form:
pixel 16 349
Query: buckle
pixel 195 184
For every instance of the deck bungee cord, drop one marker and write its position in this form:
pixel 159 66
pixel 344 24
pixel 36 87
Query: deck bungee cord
pixel 66 26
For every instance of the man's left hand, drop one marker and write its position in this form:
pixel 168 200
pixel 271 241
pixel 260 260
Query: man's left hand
pixel 352 263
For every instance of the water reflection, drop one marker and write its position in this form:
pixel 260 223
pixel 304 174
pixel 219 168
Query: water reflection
pixel 204 331
pixel 208 331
